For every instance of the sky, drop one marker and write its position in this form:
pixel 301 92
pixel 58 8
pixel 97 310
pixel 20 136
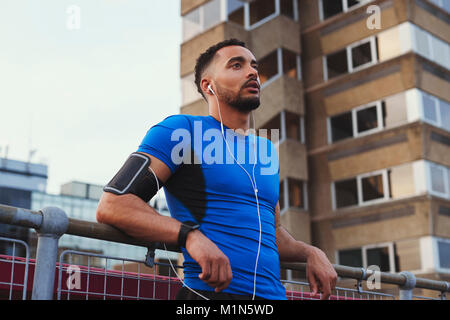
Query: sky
pixel 81 81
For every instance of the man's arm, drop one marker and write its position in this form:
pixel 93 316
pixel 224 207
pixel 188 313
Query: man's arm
pixel 136 218
pixel 321 275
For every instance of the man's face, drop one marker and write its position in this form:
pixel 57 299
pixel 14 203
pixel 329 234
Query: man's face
pixel 236 78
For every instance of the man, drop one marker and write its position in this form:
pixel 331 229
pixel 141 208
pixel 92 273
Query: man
pixel 224 208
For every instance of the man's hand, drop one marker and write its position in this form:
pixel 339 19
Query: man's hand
pixel 320 272
pixel 216 269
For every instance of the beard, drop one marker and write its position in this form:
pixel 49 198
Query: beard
pixel 238 102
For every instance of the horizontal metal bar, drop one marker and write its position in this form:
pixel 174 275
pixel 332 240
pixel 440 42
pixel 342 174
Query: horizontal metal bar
pixel 391 278
pixel 20 217
pixel 33 219
pixel 106 232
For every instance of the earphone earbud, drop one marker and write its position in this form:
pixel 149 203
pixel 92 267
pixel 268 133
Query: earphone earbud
pixel 210 89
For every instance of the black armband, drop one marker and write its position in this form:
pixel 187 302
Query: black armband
pixel 135 177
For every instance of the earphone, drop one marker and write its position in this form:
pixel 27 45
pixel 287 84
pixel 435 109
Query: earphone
pixel 252 181
pixel 255 190
pixel 211 90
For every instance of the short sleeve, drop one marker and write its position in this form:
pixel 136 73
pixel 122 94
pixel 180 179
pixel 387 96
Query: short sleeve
pixel 163 138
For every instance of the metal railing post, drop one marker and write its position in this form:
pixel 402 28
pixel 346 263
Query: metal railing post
pixel 407 288
pixel 54 225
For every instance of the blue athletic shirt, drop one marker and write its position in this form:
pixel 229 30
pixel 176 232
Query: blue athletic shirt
pixel 209 188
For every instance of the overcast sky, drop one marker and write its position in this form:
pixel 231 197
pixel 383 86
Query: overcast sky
pixel 84 98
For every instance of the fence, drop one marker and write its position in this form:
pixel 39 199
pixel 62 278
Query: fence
pixel 45 278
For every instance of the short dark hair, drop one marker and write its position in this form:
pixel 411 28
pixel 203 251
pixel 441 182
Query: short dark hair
pixel 206 57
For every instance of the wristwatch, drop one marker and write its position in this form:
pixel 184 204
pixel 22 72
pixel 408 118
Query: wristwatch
pixel 185 228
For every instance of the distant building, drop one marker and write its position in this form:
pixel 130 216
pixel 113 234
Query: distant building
pixel 24 185
pixel 18 180
pixel 79 201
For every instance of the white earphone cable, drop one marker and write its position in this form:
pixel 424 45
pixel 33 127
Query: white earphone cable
pixel 252 181
pixel 165 248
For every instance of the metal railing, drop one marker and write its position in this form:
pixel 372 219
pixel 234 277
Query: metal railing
pixel 51 223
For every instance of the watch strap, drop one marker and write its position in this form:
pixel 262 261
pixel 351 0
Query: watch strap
pixel 185 228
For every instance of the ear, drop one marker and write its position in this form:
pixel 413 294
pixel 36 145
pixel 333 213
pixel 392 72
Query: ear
pixel 204 83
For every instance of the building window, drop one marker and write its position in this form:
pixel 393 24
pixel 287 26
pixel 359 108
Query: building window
pixel 260 9
pixel 211 14
pixel 443 246
pixel 346 193
pixel 405 180
pixel 430 106
pixel 192 24
pixel 288 8
pixel 293 192
pixel 379 256
pixel 436 111
pixel 355 57
pixel 277 63
pixel 268 67
pixel 444 112
pixel 341 127
pixel 430 46
pixel 361 190
pixel 411 105
pixel 350 258
pixel 329 8
pixel 202 18
pixel 336 64
pixel 296 193
pixel 289 125
pixel 294 126
pixel 444 4
pixel 438 180
pixel 383 256
pixel 373 187
pixel 236 12
pixel 362 120
pixel 363 54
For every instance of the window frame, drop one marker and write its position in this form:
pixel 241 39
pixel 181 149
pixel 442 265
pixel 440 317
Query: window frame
pixel 429 165
pixel 359 191
pixel 436 104
pixel 345 8
pixel 348 49
pixel 277 13
pixel 384 178
pixel 286 195
pixel 437 258
pixel 389 245
pixel 373 51
pixel 378 106
pixel 280 67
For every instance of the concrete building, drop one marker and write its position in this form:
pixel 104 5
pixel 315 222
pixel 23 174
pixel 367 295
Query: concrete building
pixel 360 93
pixel 18 180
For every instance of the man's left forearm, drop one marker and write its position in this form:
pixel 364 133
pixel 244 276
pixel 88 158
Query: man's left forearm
pixel 289 249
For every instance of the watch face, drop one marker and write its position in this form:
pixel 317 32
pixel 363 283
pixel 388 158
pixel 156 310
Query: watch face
pixel 191 224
